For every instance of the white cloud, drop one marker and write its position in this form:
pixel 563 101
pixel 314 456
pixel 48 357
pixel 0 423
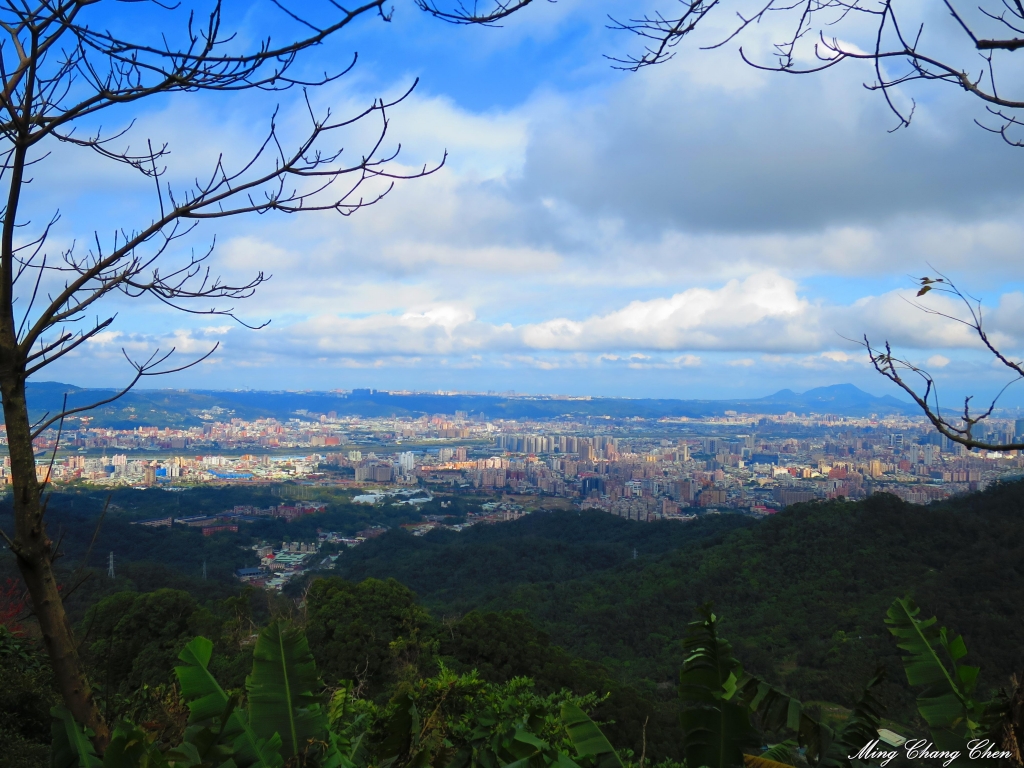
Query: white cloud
pixel 764 313
pixel 696 217
pixel 687 361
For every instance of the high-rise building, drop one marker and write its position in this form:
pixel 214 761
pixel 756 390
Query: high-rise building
pixel 407 461
pixel 930 453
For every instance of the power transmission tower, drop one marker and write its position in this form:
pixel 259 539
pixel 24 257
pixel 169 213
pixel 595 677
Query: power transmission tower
pixel 204 570
pixel 110 565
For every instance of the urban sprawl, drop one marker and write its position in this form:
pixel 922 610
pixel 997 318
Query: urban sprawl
pixel 641 469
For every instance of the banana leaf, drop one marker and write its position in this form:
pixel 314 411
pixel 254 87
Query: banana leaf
pixel 587 738
pixel 860 728
pixel 130 747
pixel 72 743
pixel 777 711
pixel 284 690
pixel 716 729
pixel 944 702
pixel 719 699
pixel 779 753
pixel 207 702
pixel 399 730
pixel 931 661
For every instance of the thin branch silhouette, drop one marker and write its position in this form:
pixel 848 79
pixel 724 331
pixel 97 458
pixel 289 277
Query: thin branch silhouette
pixel 893 36
pixel 921 386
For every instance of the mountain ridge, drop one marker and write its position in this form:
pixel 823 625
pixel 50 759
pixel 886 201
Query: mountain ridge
pixel 182 408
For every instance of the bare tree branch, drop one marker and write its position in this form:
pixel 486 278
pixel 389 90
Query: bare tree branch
pixel 812 31
pixel 486 13
pixel 961 428
pixel 60 65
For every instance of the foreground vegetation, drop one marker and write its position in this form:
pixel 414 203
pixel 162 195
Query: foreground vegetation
pixel 284 716
pixel 564 607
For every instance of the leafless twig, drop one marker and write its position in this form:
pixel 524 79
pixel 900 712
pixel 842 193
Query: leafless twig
pixel 922 387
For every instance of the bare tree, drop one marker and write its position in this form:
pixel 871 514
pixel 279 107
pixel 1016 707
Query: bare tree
pixel 897 43
pixel 60 70
pixel 962 428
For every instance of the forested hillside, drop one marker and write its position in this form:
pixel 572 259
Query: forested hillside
pixel 802 594
pixel 582 601
pixel 456 572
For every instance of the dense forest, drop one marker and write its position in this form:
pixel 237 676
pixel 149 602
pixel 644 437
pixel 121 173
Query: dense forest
pixel 564 603
pixel 803 593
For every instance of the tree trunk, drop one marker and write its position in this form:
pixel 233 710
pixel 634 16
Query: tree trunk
pixel 34 552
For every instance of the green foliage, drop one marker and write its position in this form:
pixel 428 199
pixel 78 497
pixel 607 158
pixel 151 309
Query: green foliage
pixel 504 645
pixel 350 719
pixel 726 712
pixel 213 711
pixel 805 590
pixel 716 729
pixel 457 572
pixel 465 721
pixel 860 728
pixel 783 752
pixel 932 661
pixel 373 631
pixel 587 738
pixel 132 640
pixel 283 689
pixel 72 743
pixel 26 696
pixel 460 720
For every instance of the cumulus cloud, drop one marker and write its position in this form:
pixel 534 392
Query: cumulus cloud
pixel 697 217
pixel 764 313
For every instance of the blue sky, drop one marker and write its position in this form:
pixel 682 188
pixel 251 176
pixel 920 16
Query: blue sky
pixel 698 229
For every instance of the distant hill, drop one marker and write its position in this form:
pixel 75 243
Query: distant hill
pixel 179 408
pixel 838 399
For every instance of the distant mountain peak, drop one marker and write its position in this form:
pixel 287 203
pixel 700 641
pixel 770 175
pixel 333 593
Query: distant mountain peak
pixel 841 397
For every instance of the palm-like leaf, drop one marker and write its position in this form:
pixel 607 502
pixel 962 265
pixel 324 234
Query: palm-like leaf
pixel 207 703
pixel 72 744
pixel 719 699
pixel 923 640
pixel 780 753
pixel 587 738
pixel 777 711
pixel 130 748
pixel 859 729
pixel 716 729
pixel 945 702
pixel 283 690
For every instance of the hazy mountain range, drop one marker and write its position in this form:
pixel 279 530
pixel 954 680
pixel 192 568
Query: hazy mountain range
pixel 167 407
